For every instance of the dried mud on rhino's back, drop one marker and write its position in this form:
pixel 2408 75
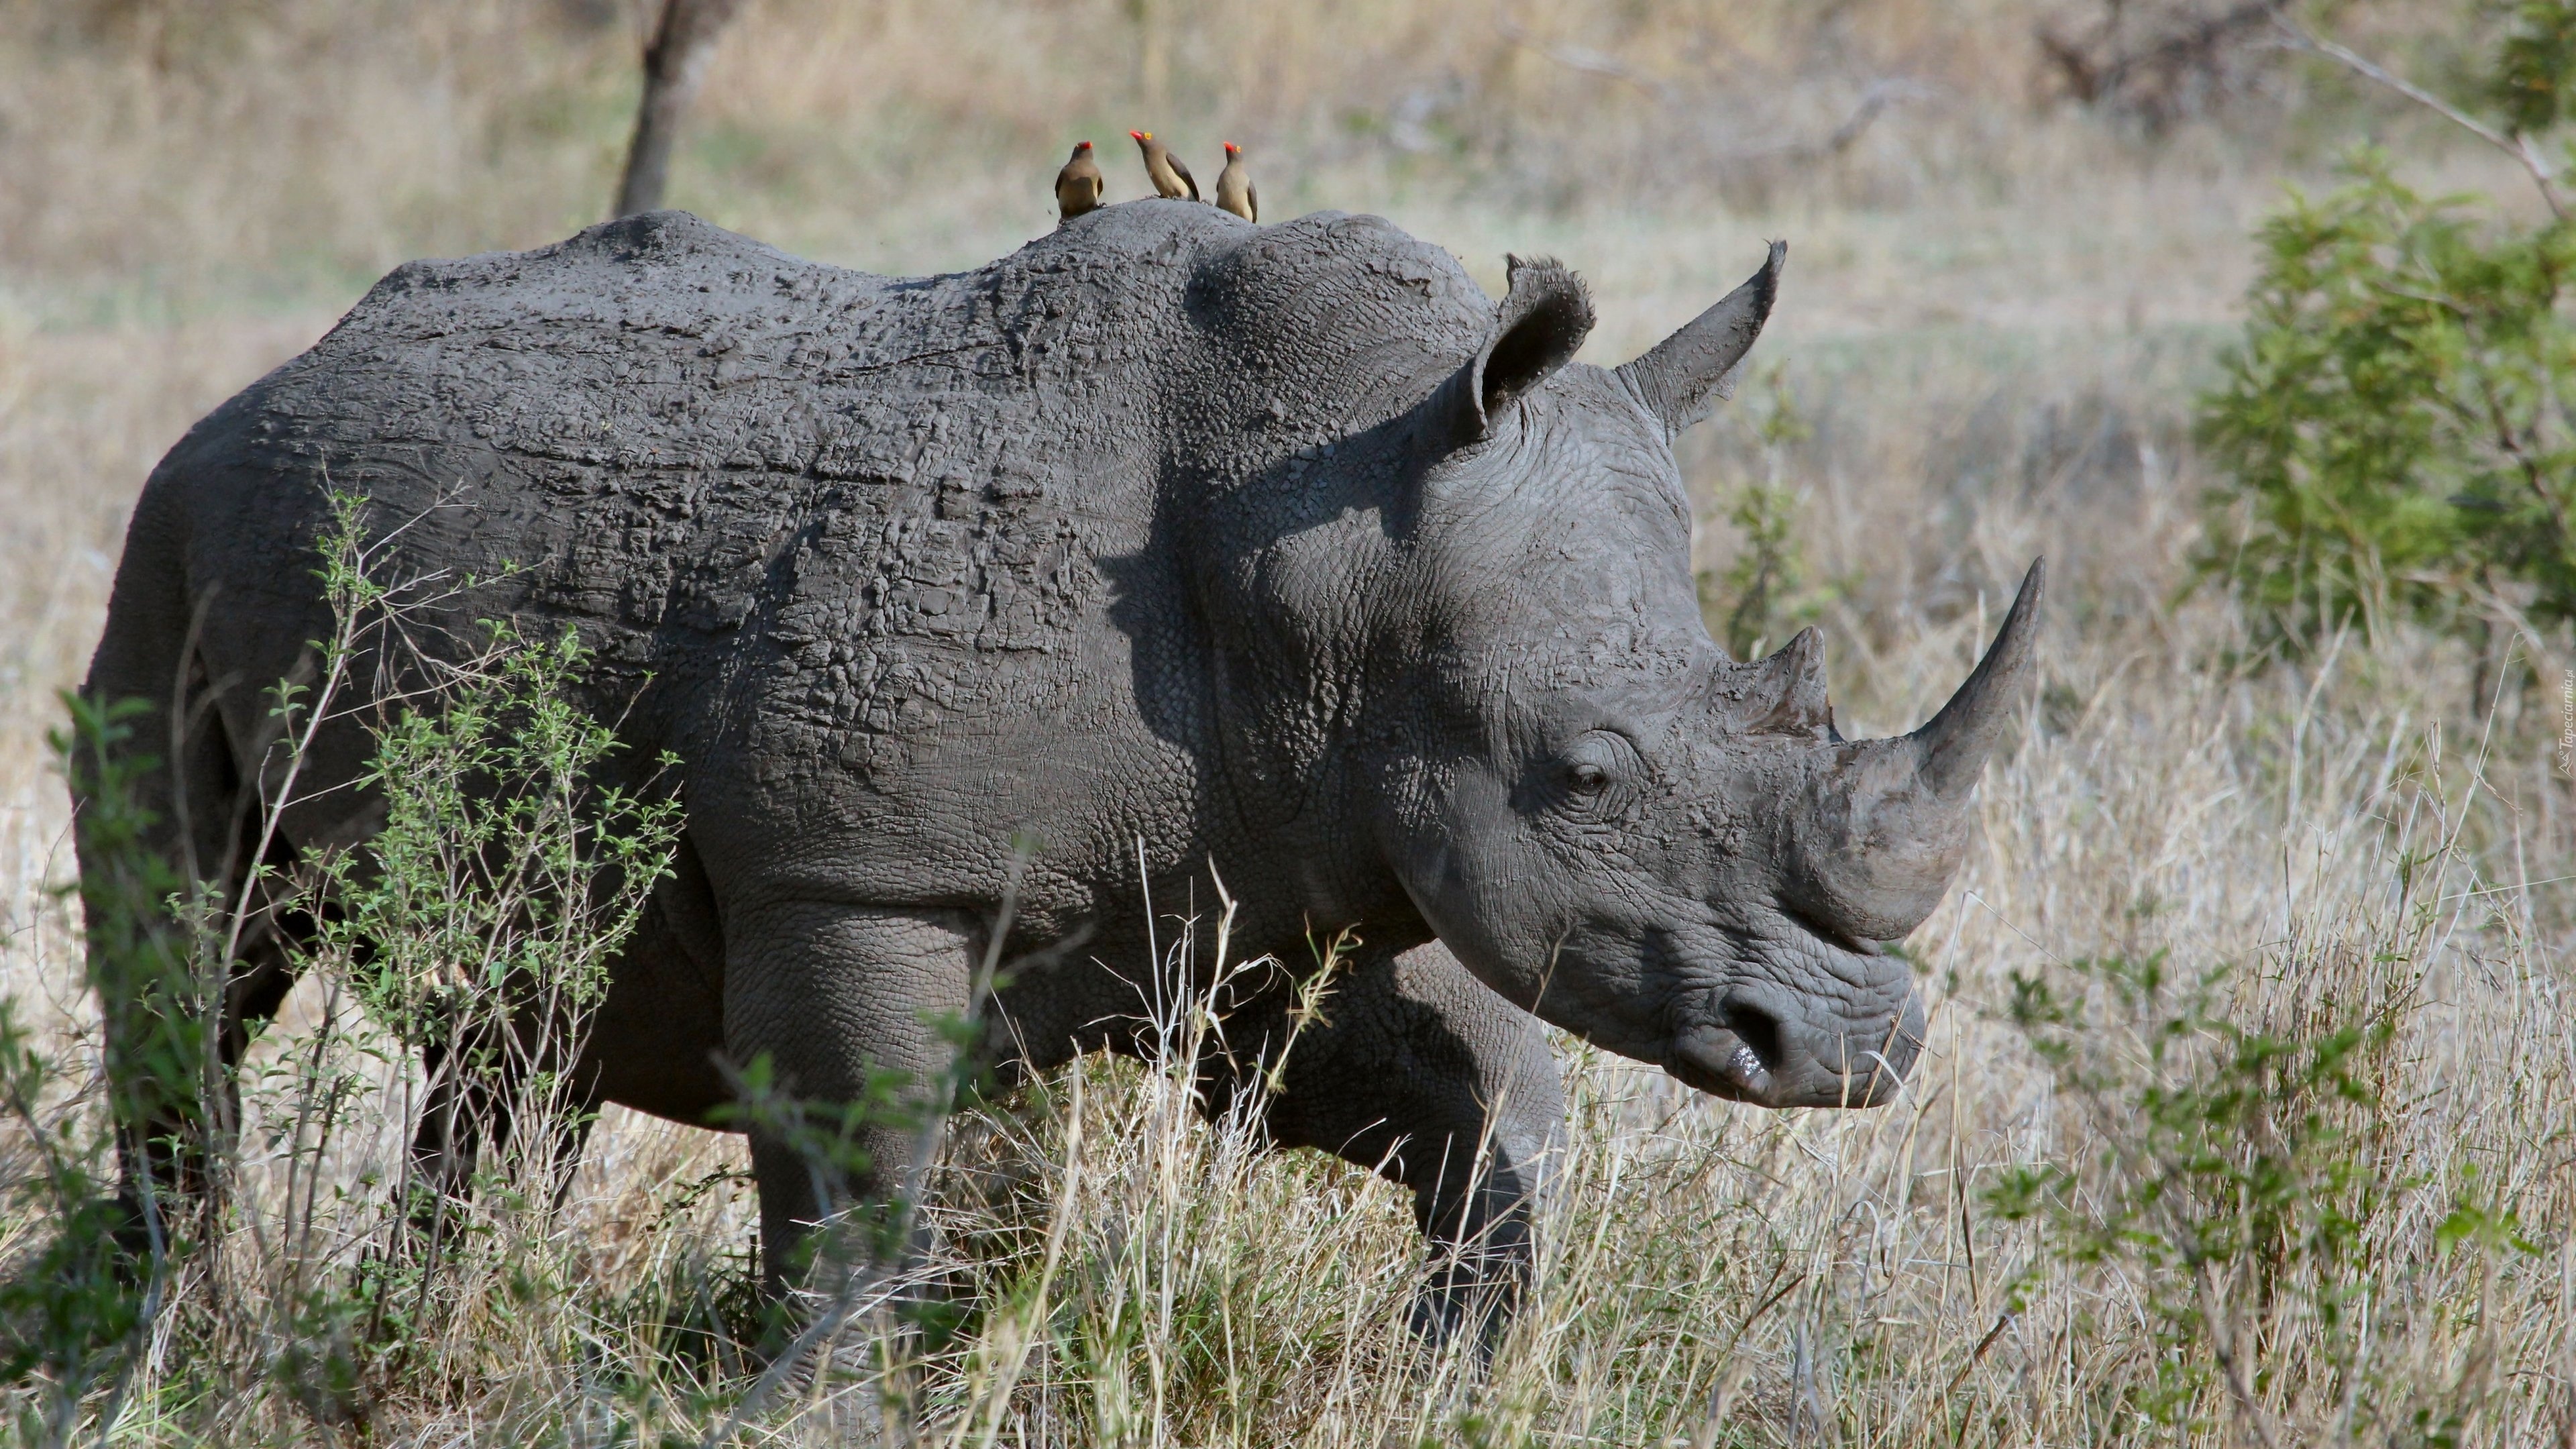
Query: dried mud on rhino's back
pixel 673 433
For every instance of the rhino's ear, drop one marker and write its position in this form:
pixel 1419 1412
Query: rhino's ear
pixel 1544 318
pixel 1684 371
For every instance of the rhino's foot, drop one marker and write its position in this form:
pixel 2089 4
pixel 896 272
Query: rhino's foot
pixel 1469 1297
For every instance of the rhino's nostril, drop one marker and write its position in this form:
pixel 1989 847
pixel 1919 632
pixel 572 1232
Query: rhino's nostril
pixel 1757 1029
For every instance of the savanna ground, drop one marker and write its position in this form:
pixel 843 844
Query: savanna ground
pixel 2246 1116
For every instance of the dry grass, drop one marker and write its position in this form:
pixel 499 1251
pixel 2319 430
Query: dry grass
pixel 1996 314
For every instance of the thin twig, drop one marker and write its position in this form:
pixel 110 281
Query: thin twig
pixel 1721 1396
pixel 2003 1321
pixel 1874 101
pixel 2516 146
pixel 2223 1343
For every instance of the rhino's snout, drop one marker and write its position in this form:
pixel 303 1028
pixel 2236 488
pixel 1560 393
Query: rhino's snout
pixel 1754 1052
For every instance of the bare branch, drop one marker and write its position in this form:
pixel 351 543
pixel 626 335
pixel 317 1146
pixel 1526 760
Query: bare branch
pixel 1874 101
pixel 2518 147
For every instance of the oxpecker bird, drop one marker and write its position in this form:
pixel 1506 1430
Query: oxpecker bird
pixel 1170 177
pixel 1234 190
pixel 1079 184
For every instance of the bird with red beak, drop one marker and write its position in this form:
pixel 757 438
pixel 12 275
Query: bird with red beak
pixel 1171 179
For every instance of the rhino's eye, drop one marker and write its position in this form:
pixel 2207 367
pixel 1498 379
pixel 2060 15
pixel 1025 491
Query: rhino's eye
pixel 1592 773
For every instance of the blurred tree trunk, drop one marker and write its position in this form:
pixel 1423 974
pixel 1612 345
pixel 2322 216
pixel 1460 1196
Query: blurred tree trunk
pixel 1153 54
pixel 674 66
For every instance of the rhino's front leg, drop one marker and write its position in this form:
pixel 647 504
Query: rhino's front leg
pixel 1421 1073
pixel 843 1003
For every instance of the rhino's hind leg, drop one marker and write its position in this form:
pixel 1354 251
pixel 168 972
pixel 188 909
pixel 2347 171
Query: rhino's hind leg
pixel 652 1044
pixel 174 1130
pixel 1432 1080
pixel 472 1109
pixel 836 1010
pixel 161 802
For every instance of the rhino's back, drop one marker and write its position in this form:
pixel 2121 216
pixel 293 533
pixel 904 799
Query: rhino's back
pixel 850 495
pixel 844 535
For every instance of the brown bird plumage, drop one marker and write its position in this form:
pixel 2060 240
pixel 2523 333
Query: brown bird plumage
pixel 1234 191
pixel 1079 185
pixel 1169 176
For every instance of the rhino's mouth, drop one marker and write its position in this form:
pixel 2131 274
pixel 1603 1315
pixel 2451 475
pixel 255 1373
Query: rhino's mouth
pixel 1724 1061
pixel 1750 1055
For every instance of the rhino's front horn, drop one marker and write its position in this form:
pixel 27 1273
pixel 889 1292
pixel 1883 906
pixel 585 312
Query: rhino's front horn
pixel 1954 745
pixel 1678 377
pixel 1878 835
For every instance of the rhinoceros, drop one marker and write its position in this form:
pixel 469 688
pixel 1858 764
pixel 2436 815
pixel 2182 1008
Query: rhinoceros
pixel 1186 549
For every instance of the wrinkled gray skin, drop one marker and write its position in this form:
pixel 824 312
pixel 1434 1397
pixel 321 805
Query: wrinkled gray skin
pixel 1281 550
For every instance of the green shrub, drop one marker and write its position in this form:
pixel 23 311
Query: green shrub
pixel 2235 1183
pixel 2394 428
pixel 504 877
pixel 95 1271
pixel 2393 431
pixel 2231 1168
pixel 69 1309
pixel 507 874
pixel 2535 71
